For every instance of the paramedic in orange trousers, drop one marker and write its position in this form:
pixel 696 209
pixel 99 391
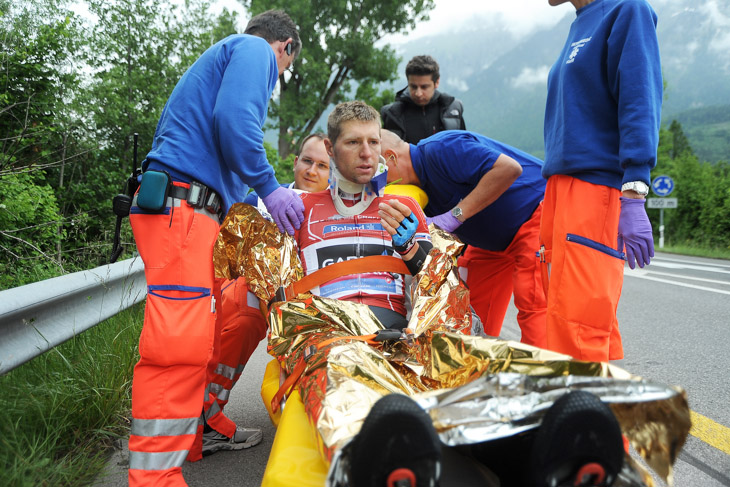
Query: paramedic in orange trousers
pixel 206 152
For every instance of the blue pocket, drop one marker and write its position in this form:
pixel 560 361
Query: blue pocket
pixel 596 246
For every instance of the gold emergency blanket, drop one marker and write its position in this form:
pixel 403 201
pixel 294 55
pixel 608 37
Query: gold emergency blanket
pixel 475 389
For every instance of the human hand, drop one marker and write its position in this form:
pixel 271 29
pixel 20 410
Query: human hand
pixel 399 221
pixel 445 221
pixel 634 230
pixel 286 208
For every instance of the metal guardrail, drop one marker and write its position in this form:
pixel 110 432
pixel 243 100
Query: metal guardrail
pixel 37 317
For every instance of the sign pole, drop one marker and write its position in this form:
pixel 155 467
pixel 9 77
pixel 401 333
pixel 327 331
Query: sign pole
pixel 661 228
pixel 662 187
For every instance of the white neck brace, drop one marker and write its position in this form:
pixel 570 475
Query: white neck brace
pixel 367 192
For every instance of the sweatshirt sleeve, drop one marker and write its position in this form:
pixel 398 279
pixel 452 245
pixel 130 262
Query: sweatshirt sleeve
pixel 240 112
pixel 635 80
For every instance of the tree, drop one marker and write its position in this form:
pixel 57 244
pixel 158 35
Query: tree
pixel 339 40
pixel 39 40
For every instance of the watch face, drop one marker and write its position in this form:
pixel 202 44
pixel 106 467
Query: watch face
pixel 456 211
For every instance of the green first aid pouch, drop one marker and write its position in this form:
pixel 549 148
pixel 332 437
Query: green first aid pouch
pixel 153 191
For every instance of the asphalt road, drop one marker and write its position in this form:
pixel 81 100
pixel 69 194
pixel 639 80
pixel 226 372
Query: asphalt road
pixel 675 321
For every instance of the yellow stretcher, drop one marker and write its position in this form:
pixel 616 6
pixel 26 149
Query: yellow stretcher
pixel 294 457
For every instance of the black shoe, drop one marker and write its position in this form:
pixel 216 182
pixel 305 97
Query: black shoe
pixel 579 444
pixel 396 447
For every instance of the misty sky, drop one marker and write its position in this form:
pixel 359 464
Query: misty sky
pixel 520 15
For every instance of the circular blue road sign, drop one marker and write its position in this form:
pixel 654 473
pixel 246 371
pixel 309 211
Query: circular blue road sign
pixel 662 185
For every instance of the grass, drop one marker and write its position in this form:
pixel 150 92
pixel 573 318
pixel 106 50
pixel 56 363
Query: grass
pixel 62 410
pixel 694 250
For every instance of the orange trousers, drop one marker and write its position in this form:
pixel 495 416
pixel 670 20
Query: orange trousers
pixel 579 232
pixel 177 340
pixel 492 278
pixel 242 327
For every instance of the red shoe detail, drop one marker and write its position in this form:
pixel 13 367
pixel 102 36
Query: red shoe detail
pixel 590 474
pixel 402 477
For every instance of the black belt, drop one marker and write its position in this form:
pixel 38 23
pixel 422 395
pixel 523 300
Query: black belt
pixel 198 196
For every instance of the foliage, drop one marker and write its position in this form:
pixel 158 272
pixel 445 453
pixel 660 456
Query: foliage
pixel 702 216
pixel 71 97
pixel 62 409
pixel 338 39
pixel 28 248
pixel 38 42
pixel 283 168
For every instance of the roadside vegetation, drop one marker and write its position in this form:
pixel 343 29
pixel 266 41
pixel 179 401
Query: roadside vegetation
pixel 63 409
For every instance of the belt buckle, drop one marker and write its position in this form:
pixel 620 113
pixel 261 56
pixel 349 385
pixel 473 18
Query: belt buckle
pixel 213 203
pixel 196 194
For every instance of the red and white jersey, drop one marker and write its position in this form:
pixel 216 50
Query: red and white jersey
pixel 326 237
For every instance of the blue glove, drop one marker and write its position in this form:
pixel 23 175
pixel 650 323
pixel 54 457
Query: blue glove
pixel 634 230
pixel 286 208
pixel 445 221
pixel 403 238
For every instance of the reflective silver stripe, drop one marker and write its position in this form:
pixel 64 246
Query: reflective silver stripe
pixel 223 395
pixel 220 392
pixel 156 461
pixel 164 427
pixel 252 301
pixel 214 409
pixel 215 388
pixel 226 371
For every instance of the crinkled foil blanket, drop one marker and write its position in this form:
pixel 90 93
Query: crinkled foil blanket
pixel 475 389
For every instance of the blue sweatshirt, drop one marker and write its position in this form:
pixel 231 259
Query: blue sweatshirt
pixel 604 96
pixel 211 129
pixel 451 163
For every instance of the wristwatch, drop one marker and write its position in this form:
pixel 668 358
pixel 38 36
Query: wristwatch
pixel 457 213
pixel 639 186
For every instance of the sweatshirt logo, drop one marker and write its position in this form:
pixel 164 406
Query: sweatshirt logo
pixel 576 47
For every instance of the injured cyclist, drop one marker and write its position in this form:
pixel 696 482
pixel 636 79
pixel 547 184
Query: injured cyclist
pixel 354 219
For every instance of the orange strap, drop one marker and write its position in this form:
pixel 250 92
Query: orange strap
pixel 293 378
pixel 372 263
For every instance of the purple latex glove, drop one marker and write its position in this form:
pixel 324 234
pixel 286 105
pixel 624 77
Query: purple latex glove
pixel 634 230
pixel 445 221
pixel 286 208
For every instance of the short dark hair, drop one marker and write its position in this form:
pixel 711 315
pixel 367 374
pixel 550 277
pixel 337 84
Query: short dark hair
pixel 275 25
pixel 422 65
pixel 319 135
pixel 358 111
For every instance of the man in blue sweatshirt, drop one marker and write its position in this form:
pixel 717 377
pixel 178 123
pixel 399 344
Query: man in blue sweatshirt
pixel 206 152
pixel 488 194
pixel 601 136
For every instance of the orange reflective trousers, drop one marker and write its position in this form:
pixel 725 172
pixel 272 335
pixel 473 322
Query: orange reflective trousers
pixel 492 277
pixel 177 340
pixel 584 275
pixel 242 327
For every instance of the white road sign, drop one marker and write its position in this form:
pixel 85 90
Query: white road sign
pixel 661 202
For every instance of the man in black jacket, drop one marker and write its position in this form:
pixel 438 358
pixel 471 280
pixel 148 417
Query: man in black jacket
pixel 420 110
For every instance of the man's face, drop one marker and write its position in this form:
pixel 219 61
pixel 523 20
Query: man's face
pixel 312 166
pixel 421 88
pixel 357 150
